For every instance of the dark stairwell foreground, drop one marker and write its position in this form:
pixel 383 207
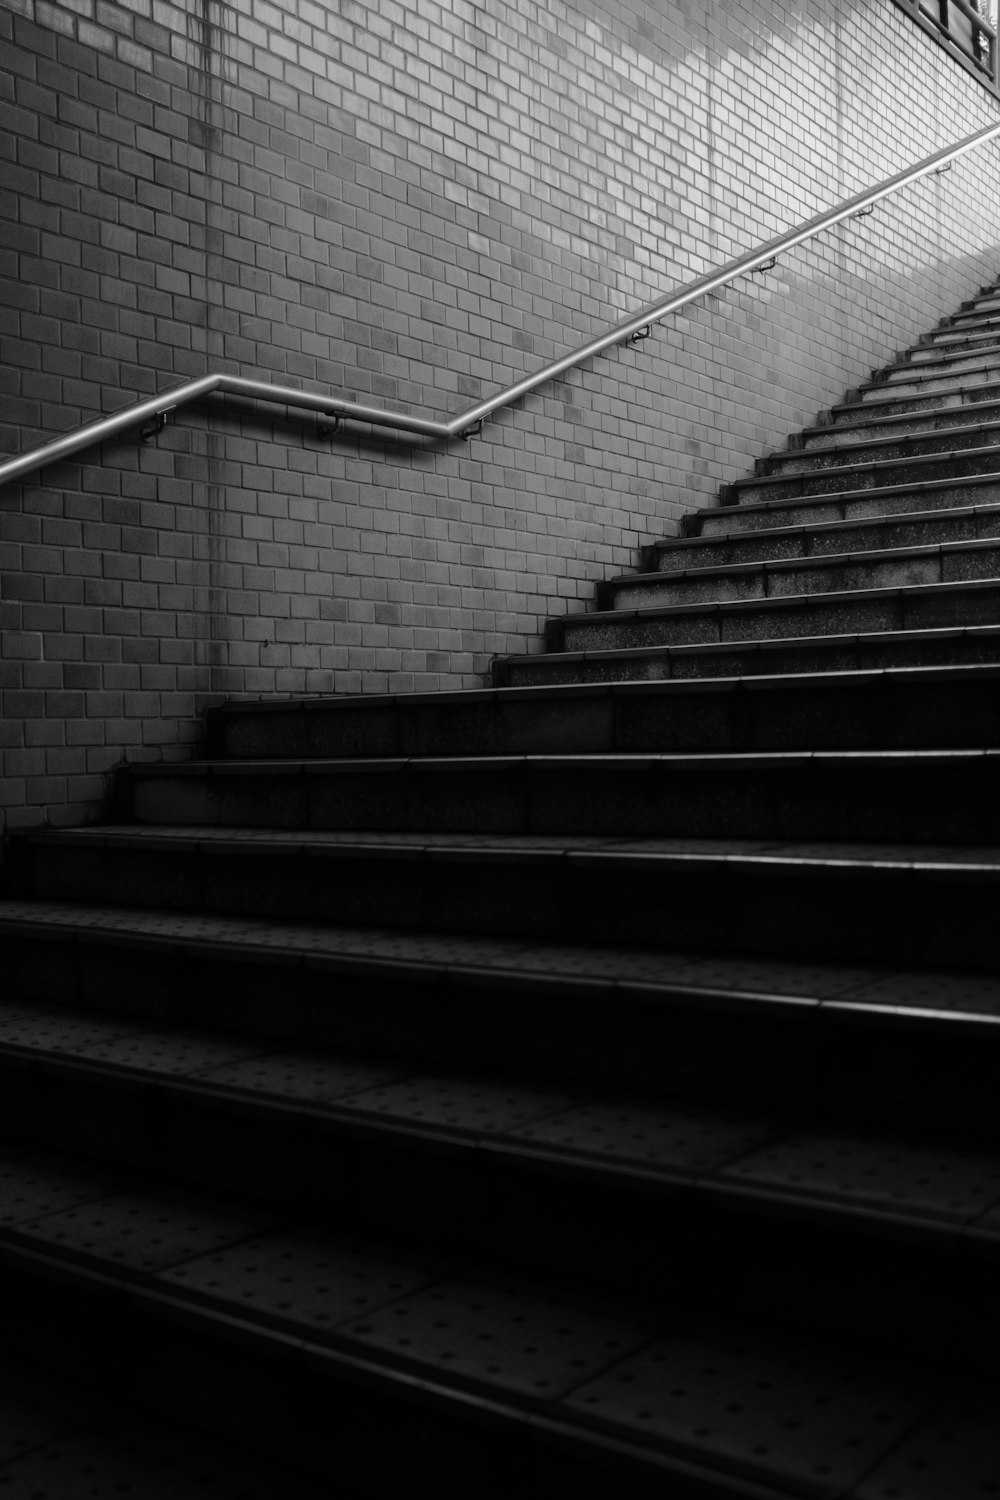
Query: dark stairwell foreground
pixel 582 1086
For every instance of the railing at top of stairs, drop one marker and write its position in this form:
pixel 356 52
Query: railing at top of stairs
pixel 155 408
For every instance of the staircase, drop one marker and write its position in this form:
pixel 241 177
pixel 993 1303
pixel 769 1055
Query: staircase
pixel 586 1085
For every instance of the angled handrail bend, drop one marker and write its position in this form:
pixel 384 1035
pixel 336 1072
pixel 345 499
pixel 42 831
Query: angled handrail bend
pixel 339 407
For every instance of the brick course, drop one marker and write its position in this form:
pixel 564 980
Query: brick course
pixel 415 204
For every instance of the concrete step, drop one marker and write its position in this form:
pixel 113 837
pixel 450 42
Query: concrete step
pixel 913 607
pixel 848 505
pixel 876 474
pixel 382 1006
pixel 986 306
pixel 402 1366
pixel 865 534
pixel 945 357
pixel 881 401
pixel 915 706
pixel 861 651
pixel 870 568
pixel 875 903
pixel 943 376
pixel 873 448
pixel 592 1186
pixel 921 795
pixel 926 418
pixel 971 331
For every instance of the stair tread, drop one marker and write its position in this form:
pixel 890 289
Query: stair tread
pixel 890 491
pixel 343 703
pixel 872 466
pixel 869 410
pixel 737 978
pixel 783 601
pixel 612 760
pixel 937 370
pixel 873 555
pixel 572 1363
pixel 799 854
pixel 937 355
pixel 820 528
pixel 802 456
pixel 687 656
pixel 809 1159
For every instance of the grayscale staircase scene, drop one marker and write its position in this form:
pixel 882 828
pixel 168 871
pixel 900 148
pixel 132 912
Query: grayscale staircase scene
pixel 586 1085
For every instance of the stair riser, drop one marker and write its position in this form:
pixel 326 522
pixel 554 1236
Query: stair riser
pixel 844 654
pixel 967 335
pixel 652 591
pixel 825 481
pixel 888 713
pixel 978 307
pixel 805 461
pixel 773 620
pixel 942 419
pixel 818 511
pixel 906 382
pixel 935 362
pixel 970 525
pixel 899 800
pixel 881 401
pixel 691 1043
pixel 820 911
pixel 952 356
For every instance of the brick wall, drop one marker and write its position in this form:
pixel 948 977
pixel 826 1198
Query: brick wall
pixel 415 204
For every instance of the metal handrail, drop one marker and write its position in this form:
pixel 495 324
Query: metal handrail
pixel 157 407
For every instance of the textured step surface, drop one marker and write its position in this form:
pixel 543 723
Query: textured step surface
pixel 893 500
pixel 880 902
pixel 933 795
pixel 873 447
pixel 833 572
pixel 606 1181
pixel 880 402
pixel 909 607
pixel 515 1364
pixel 826 1036
pixel 922 707
pixel 880 473
pixel 864 534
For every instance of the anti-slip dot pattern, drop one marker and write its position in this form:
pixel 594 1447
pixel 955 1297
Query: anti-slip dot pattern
pixel 33 1184
pixel 289 1075
pixel 775 976
pixel 758 1405
pixel 461 1104
pixel 894 1176
pixel 312 1279
pixel 64 1030
pixel 172 1051
pixel 933 991
pixel 503 1332
pixel 653 1135
pixel 780 977
pixel 146 1231
pixel 954 1455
